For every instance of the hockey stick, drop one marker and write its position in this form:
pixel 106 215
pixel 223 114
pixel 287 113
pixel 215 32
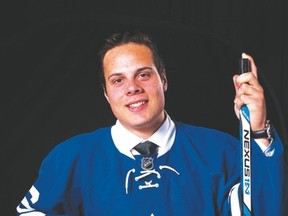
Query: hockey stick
pixel 245 139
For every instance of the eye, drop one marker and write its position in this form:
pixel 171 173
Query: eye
pixel 144 76
pixel 117 81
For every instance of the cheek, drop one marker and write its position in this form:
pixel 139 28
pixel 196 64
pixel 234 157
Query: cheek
pixel 157 94
pixel 113 97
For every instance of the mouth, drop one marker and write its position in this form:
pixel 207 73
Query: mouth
pixel 137 104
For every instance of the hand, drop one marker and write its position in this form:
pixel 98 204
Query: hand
pixel 250 92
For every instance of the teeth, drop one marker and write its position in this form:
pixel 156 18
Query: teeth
pixel 136 104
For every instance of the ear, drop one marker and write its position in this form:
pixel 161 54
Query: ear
pixel 105 93
pixel 164 81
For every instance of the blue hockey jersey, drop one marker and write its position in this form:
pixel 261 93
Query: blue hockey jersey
pixel 87 175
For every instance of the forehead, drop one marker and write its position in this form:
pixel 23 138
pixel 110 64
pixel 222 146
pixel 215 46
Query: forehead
pixel 129 50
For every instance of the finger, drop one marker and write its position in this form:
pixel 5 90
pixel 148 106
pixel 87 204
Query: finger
pixel 248 89
pixel 238 102
pixel 248 78
pixel 236 86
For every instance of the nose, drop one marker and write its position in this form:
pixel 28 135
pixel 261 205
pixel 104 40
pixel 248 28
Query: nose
pixel 133 88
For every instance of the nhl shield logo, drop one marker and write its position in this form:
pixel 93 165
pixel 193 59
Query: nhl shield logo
pixel 147 163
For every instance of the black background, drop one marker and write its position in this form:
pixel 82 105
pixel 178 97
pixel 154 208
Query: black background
pixel 49 82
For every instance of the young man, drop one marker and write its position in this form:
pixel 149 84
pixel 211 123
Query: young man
pixel 190 171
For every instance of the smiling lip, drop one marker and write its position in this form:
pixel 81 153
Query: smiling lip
pixel 137 104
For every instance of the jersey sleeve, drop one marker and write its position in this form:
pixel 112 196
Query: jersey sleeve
pixel 56 190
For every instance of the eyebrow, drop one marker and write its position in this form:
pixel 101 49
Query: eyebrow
pixel 144 68
pixel 137 71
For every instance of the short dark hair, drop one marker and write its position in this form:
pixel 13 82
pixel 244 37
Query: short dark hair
pixel 126 37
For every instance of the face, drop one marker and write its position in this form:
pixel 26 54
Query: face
pixel 134 88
